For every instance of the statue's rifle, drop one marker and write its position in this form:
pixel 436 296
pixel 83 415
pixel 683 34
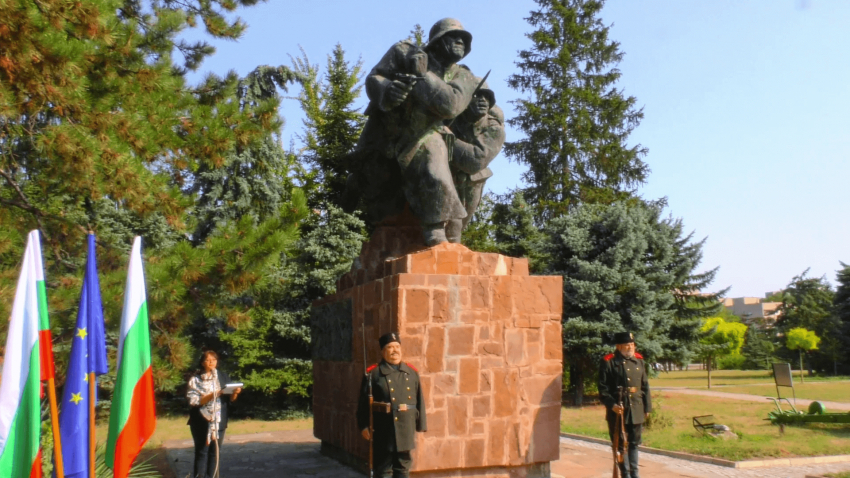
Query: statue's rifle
pixel 371 400
pixel 477 89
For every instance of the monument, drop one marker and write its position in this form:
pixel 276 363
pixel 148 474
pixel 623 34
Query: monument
pixel 484 335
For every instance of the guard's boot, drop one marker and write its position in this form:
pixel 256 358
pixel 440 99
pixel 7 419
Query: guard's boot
pixel 434 233
pixel 633 462
pixel 624 470
pixel 453 230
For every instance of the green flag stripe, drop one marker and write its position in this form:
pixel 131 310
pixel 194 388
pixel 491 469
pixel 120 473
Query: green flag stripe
pixel 43 323
pixel 136 358
pixel 22 445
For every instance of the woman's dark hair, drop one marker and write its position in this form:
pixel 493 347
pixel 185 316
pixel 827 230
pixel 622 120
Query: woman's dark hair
pixel 204 355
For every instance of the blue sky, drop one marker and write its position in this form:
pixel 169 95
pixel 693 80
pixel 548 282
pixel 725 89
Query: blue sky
pixel 746 108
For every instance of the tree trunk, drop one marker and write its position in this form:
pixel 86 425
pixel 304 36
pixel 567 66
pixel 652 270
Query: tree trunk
pixel 801 366
pixel 708 367
pixel 577 380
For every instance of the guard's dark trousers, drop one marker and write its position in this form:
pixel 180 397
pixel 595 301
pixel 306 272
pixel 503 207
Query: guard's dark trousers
pixel 205 455
pixel 392 464
pixel 629 466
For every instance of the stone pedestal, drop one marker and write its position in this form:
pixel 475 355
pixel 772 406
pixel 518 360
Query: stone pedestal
pixel 485 337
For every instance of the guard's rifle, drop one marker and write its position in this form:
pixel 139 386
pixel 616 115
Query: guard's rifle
pixel 371 399
pixel 619 434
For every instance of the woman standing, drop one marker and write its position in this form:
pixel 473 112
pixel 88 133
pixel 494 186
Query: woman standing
pixel 208 413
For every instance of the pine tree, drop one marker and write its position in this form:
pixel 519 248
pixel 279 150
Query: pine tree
pixel 332 126
pixel 101 132
pixel 575 121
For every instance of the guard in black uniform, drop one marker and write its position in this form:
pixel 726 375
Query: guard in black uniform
pixel 398 410
pixel 625 368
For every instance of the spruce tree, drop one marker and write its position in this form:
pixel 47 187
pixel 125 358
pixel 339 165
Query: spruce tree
pixel 479 234
pixel 841 307
pixel 332 125
pixel 254 178
pixel 620 264
pixel 693 303
pixel 575 121
pixel 758 349
pixel 515 234
pixel 272 351
pixel 807 302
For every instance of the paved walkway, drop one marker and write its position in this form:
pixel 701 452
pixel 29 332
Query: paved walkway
pixel 296 454
pixel 802 403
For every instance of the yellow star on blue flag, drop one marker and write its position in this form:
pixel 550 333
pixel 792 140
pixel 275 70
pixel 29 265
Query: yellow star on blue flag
pixel 88 355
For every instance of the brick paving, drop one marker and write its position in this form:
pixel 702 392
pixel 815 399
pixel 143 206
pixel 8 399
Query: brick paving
pixel 296 454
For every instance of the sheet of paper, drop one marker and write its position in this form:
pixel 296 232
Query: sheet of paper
pixel 231 387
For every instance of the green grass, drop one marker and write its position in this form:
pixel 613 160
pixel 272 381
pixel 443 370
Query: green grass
pixel 758 438
pixel 829 391
pixel 720 378
pixel 843 474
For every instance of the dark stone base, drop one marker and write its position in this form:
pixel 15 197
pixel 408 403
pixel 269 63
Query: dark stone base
pixel 536 470
pixel 344 457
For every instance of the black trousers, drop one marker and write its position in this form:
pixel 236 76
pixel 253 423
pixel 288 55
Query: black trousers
pixel 205 455
pixel 392 464
pixel 629 467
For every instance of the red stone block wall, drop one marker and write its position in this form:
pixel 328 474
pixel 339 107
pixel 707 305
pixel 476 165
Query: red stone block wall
pixel 486 339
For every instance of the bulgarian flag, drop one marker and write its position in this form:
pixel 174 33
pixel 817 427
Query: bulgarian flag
pixel 20 390
pixel 133 417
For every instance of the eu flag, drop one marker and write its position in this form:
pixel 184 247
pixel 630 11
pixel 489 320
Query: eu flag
pixel 88 354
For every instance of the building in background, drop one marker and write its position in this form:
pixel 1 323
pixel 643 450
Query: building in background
pixel 754 310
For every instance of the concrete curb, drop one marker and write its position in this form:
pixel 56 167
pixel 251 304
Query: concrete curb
pixel 745 464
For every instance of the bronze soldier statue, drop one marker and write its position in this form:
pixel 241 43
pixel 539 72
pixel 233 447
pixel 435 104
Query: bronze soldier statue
pixel 401 154
pixel 479 135
pixel 398 410
pixel 625 371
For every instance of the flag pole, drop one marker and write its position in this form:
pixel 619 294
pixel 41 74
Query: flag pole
pixel 92 438
pixel 54 421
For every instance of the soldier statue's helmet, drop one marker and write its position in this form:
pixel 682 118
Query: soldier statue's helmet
pixel 486 91
pixel 448 25
pixel 621 338
pixel 388 338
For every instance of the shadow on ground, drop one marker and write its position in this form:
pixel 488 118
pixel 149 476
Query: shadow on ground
pixel 272 454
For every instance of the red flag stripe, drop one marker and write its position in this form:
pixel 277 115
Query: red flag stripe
pixel 139 427
pixel 45 349
pixel 35 471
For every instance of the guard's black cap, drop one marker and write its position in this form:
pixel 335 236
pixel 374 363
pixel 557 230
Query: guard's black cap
pixel 623 338
pixel 387 338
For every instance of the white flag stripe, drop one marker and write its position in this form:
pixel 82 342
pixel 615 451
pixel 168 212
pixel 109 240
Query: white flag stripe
pixel 134 295
pixel 35 240
pixel 22 337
